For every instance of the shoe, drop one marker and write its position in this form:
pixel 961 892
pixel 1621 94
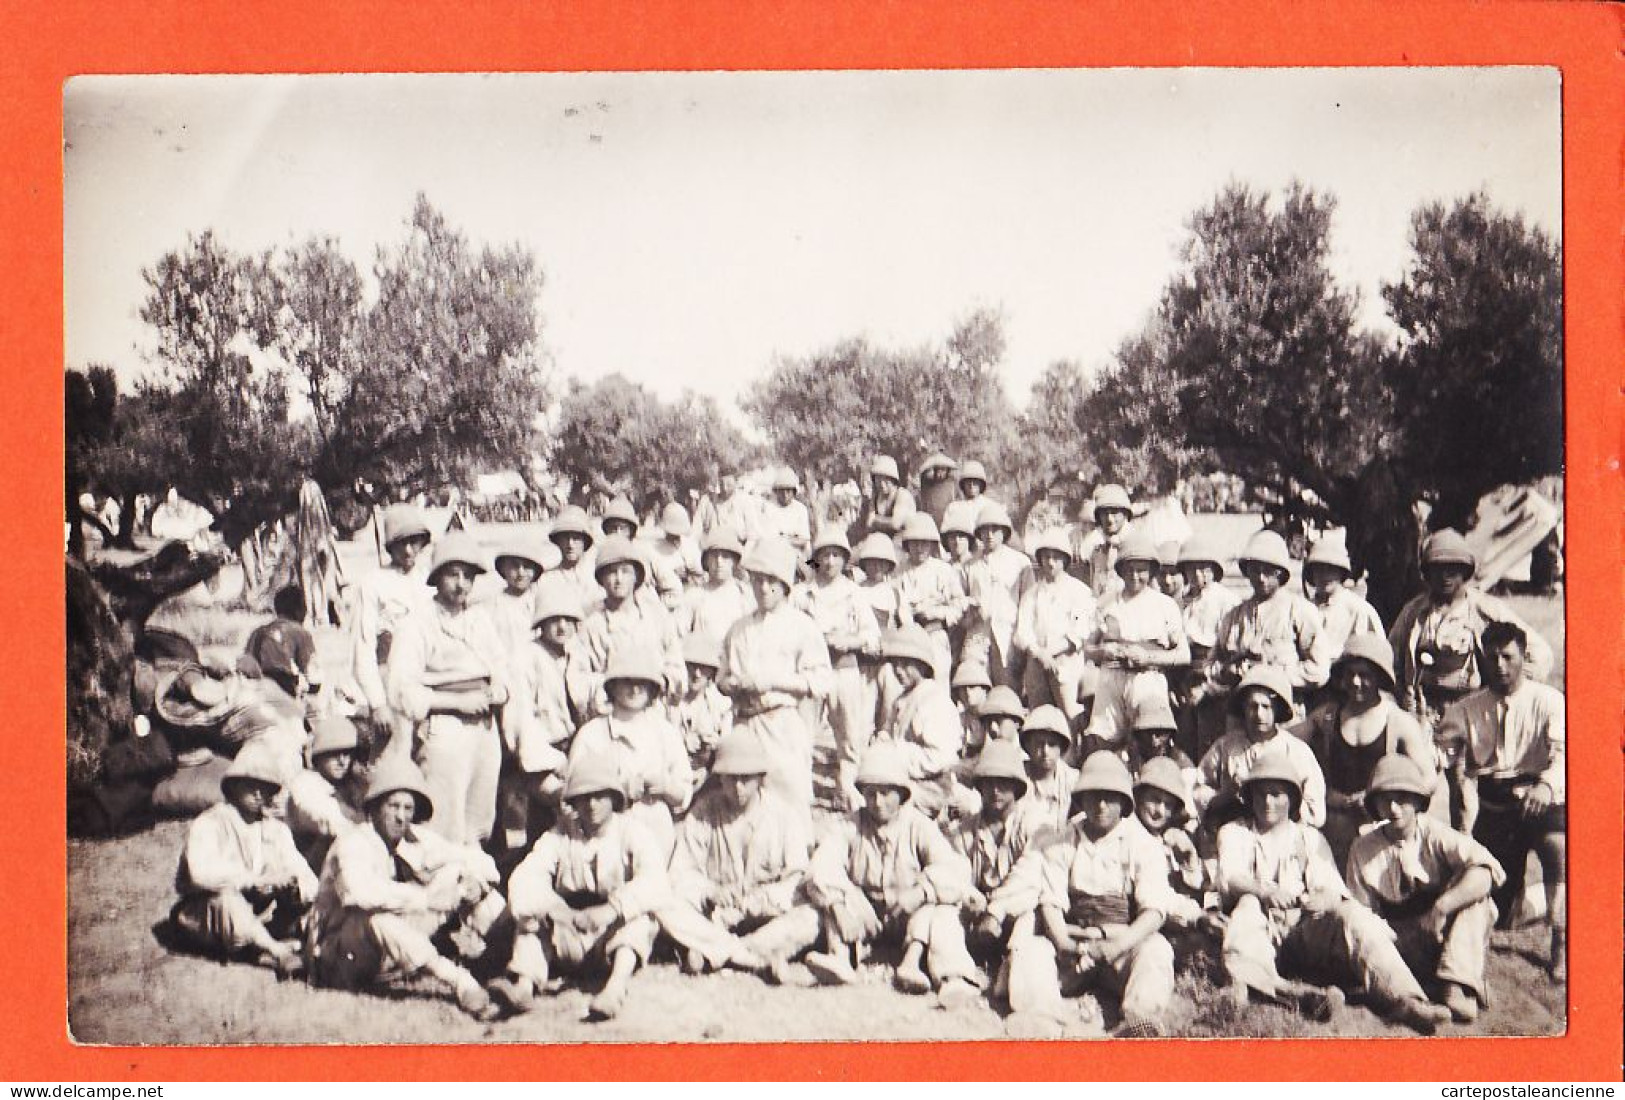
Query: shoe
pixel 829 969
pixel 1320 1005
pixel 607 1005
pixel 693 961
pixel 474 1000
pixel 911 979
pixel 1137 1029
pixel 1420 1015
pixel 288 966
pixel 956 992
pixel 1463 1005
pixel 1557 968
pixel 788 974
pixel 744 957
pixel 516 995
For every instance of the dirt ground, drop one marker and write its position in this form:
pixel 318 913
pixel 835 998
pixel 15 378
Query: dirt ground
pixel 127 986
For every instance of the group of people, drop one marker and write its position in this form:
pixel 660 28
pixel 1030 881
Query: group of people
pixel 1084 763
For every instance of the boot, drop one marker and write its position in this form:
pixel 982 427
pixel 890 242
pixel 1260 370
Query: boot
pixel 1462 1004
pixel 1419 1015
pixel 1557 968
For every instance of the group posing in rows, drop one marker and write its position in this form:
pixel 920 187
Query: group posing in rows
pixel 1077 765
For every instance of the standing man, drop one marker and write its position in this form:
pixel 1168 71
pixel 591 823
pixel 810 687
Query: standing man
pixel 995 579
pixel 937 486
pixel 1055 619
pixel 786 517
pixel 888 503
pixel 1113 510
pixel 384 600
pixel 732 509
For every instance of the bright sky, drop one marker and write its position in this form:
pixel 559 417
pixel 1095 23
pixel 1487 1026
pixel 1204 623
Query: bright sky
pixel 693 226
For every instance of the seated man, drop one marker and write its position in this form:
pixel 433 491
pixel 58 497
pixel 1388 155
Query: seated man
pixel 737 870
pixel 1162 805
pixel 586 895
pixel 1289 910
pixel 995 839
pixel 1430 883
pixel 892 874
pixel 242 882
pixel 1262 702
pixel 1100 888
pixel 1046 739
pixel 391 888
pixel 922 722
pixel 324 799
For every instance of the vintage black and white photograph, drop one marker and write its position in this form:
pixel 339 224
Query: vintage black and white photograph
pixel 793 556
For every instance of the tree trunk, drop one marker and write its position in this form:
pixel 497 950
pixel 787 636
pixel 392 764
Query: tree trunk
pixel 125 539
pixel 76 524
pixel 1383 537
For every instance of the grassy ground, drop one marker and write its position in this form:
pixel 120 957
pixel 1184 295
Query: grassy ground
pixel 127 986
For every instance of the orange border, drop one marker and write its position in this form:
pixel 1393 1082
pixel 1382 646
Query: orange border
pixel 53 42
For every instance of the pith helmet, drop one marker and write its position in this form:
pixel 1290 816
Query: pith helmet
pixel 457 548
pixel 721 540
pixel 740 753
pixel 1397 772
pixel 830 537
pixel 920 527
pixel 971 674
pixel 542 554
pixel 333 733
pixel 635 664
pixel 1055 541
pixel 595 775
pixel 959 518
pixel 702 650
pixel 620 508
pixel 1372 648
pixel 1001 702
pixel 884 766
pixel 1270 679
pixel 1153 712
pixel 1112 496
pixel 1266 548
pixel 1105 771
pixel 994 514
pixel 571 521
pixel 1001 760
pixel 1136 546
pixel 674 520
pixel 1330 551
pixel 785 478
pixel 397 773
pixel 1275 764
pixel 1448 547
pixel 973 470
pixel 877 547
pixel 556 604
pixel 885 466
pixel 257 762
pixel 620 550
pixel 938 461
pixel 909 645
pixel 1161 774
pixel 1198 550
pixel 404 521
pixel 774 557
pixel 1048 720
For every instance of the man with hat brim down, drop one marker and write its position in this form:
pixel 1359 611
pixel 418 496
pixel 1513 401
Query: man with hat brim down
pixel 1344 614
pixel 1207 600
pixel 969 689
pixel 574 535
pixel 737 872
pixel 1262 706
pixel 323 800
pixel 673 553
pixel 1289 909
pixel 521 561
pixel 993 840
pixel 630 615
pixel 1162 800
pixel 1055 619
pixel 891 874
pixel 995 580
pixel 243 884
pixel 1155 737
pixel 732 509
pixel 586 896
pixel 785 517
pixel 1357 727
pixel 877 561
pixel 937 486
pixel 552 691
pixel 922 724
pixel 703 714
pixel 723 597
pixel 959 535
pixel 1100 889
pixel 448 676
pixel 843 613
pixel 1513 737
pixel 1097 553
pixel 1438 658
pixel 381 601
pixel 1140 634
pixel 888 504
pixel 1274 626
pixel 930 593
pixel 390 888
pixel 1046 738
pixel 641 743
pixel 973 482
pixel 1430 883
pixel 998 717
pixel 773 661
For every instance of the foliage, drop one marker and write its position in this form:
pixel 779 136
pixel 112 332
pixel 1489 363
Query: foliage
pixel 89 402
pixel 614 436
pixel 829 413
